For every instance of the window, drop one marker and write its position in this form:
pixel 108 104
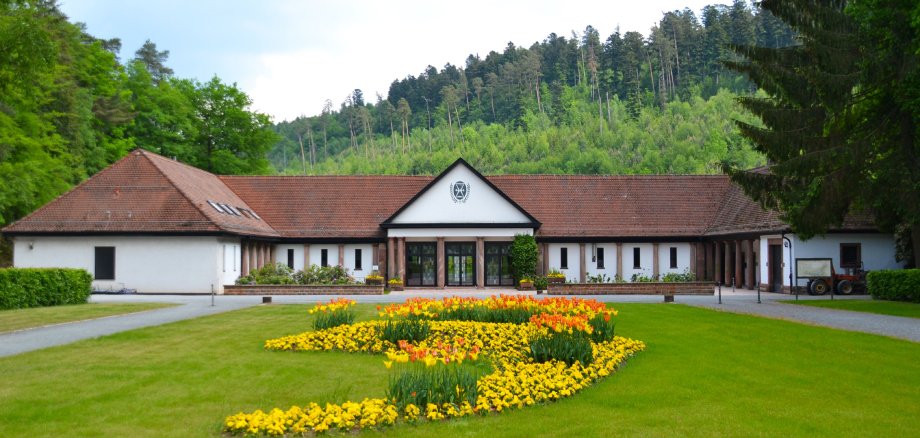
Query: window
pixel 563 258
pixel 673 258
pixel 324 257
pixel 290 258
pixel 637 259
pixel 600 258
pixel 105 263
pixel 850 255
pixel 358 259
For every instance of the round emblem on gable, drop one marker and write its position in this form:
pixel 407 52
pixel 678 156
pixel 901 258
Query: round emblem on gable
pixel 459 191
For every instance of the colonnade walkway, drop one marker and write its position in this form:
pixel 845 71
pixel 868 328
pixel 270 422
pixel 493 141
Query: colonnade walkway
pixel 737 301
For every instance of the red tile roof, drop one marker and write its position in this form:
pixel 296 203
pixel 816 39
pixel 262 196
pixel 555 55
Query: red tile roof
pixel 326 206
pixel 147 193
pixel 143 192
pixel 617 206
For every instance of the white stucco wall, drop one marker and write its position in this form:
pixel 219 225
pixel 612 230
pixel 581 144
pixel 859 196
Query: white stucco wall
pixel 664 258
pixel 281 252
pixel 367 260
pixel 572 272
pixel 316 253
pixel 150 264
pixel 430 233
pixel 483 204
pixel 645 258
pixel 877 250
pixel 610 260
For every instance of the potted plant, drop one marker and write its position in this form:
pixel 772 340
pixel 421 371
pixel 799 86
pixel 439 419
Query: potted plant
pixel 540 284
pixel 555 276
pixel 526 283
pixel 373 279
pixel 396 283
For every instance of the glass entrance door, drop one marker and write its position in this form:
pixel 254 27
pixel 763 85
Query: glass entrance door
pixel 498 264
pixel 421 264
pixel 461 263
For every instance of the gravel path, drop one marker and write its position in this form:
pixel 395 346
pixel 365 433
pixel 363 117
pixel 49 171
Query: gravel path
pixel 739 301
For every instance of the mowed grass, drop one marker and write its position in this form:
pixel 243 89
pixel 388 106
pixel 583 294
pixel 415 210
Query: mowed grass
pixel 704 373
pixel 895 308
pixel 18 319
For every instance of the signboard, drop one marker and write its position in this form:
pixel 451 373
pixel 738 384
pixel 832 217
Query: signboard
pixel 813 268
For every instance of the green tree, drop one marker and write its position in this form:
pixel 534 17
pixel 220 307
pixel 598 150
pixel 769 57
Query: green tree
pixel 523 257
pixel 230 139
pixel 840 122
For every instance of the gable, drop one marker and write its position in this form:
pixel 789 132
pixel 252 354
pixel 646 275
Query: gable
pixel 461 196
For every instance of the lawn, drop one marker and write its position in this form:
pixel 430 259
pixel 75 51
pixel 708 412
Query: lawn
pixel 18 319
pixel 704 373
pixel 896 308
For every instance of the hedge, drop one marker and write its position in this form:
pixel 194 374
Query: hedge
pixel 895 285
pixel 37 287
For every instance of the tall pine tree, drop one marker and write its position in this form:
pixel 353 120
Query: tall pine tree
pixel 840 123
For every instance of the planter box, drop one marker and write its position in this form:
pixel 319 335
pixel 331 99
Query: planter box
pixel 394 287
pixel 300 289
pixel 555 280
pixel 378 282
pixel 689 288
pixel 525 286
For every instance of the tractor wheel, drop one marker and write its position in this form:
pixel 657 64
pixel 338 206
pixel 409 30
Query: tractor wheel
pixel 819 287
pixel 808 287
pixel 845 287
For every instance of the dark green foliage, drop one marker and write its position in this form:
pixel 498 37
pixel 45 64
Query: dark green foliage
pixel 271 273
pixel 334 318
pixel 420 385
pixel 540 282
pixel 678 277
pixel 37 287
pixel 840 119
pixel 894 285
pixel 323 275
pixel 523 257
pixel 602 325
pixel 280 273
pixel 563 346
pixel 409 330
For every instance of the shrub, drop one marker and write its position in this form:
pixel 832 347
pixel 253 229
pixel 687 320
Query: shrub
pixel 396 281
pixel 271 273
pixel 681 277
pixel 540 283
pixel 562 346
pixel 411 330
pixel 895 285
pixel 323 275
pixel 554 273
pixel 599 278
pixel 641 278
pixel 523 256
pixel 21 288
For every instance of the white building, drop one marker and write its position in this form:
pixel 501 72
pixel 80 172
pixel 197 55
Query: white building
pixel 156 225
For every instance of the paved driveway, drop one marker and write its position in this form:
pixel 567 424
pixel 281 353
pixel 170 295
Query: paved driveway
pixel 739 301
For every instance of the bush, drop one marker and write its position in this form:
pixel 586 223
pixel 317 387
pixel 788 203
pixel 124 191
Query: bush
pixel 21 288
pixel 271 273
pixel 682 277
pixel 410 330
pixel 523 257
pixel 562 346
pixel 895 285
pixel 324 275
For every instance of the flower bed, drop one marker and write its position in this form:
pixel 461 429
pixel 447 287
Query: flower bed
pixel 513 376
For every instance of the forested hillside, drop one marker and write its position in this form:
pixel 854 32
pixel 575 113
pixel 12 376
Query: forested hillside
pixel 624 103
pixel 72 103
